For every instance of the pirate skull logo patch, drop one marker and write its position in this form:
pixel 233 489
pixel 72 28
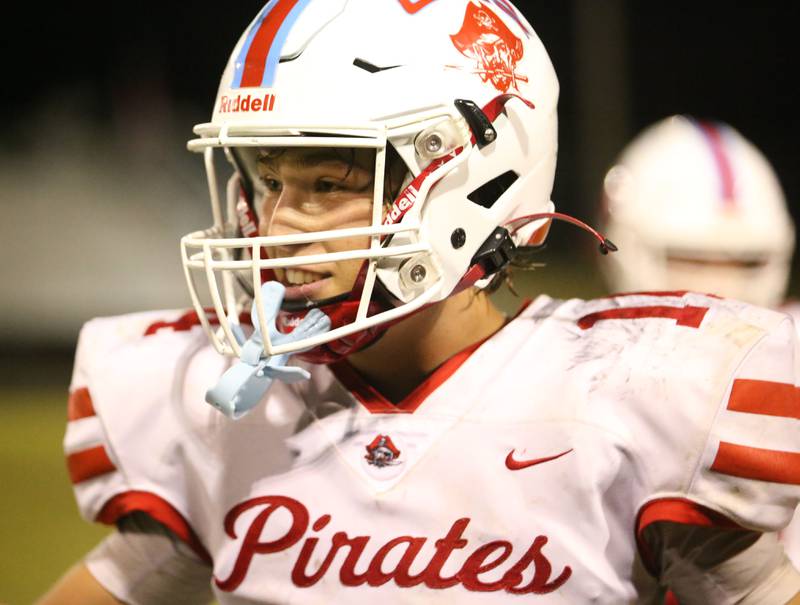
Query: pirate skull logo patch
pixel 381 452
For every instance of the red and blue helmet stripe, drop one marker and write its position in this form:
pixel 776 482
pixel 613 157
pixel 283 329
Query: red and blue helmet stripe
pixel 714 137
pixel 258 58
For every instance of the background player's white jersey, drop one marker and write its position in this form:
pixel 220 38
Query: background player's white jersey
pixel 528 466
pixel 790 536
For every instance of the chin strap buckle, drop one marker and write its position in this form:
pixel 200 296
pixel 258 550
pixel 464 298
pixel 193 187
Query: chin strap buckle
pixel 496 252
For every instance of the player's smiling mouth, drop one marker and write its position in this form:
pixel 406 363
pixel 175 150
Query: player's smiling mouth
pixel 302 283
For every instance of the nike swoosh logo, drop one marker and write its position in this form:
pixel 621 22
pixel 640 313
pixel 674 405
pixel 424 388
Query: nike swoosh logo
pixel 518 465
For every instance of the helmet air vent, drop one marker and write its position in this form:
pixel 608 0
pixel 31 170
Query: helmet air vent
pixel 488 193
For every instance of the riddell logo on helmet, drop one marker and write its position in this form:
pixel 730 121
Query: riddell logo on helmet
pixel 246 103
pixel 401 205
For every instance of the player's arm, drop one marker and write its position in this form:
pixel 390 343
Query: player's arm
pixel 142 563
pixel 78 585
pixel 710 533
pixel 712 565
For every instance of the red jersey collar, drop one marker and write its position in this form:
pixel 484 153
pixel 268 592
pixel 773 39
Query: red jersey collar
pixel 377 403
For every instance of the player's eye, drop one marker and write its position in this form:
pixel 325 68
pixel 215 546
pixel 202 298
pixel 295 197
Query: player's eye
pixel 328 186
pixel 271 184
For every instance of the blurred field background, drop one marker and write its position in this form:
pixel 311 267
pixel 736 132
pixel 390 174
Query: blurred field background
pixel 97 187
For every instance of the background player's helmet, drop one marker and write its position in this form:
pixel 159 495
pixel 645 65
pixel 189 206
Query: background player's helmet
pixel 462 91
pixel 695 206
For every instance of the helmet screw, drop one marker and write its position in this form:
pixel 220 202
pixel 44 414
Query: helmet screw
pixel 433 143
pixel 458 237
pixel 417 273
pixel 489 135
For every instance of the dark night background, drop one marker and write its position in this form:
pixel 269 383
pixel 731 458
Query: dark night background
pixel 101 107
pixel 110 99
pixel 736 62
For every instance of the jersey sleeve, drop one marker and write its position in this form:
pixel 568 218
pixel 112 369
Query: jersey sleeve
pixel 122 444
pixel 750 468
pixel 700 565
pixel 143 563
pixel 740 464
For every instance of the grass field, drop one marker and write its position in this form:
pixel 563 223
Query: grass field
pixel 41 533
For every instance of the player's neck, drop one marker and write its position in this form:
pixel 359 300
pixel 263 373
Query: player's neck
pixel 412 349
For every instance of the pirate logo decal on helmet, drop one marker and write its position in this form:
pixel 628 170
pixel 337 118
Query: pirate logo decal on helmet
pixel 485 39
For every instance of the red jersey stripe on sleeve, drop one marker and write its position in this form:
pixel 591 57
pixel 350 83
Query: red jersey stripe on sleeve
pixel 764 397
pixel 757 463
pixel 160 510
pixel 79 404
pixel 88 464
pixel 674 510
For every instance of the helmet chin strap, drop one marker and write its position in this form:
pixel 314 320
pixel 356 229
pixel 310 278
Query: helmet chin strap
pixel 298 306
pixel 515 224
pixel 499 249
pixel 342 310
pixel 497 252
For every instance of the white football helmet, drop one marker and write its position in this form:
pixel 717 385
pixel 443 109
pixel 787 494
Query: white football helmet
pixel 462 90
pixel 695 206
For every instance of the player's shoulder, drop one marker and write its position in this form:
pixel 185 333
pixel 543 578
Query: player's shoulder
pixel 685 320
pixel 166 327
pixel 646 343
pixel 120 329
pixel 696 389
pixel 131 428
pixel 146 338
pixel 684 308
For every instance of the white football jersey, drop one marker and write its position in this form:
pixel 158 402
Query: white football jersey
pixel 528 466
pixel 790 536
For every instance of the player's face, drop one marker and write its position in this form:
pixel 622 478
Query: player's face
pixel 308 190
pixel 727 277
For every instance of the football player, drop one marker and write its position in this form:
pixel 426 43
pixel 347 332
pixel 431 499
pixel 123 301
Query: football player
pixel 694 205
pixel 378 431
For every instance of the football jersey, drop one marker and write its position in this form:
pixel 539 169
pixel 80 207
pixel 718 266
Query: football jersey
pixel 527 466
pixel 790 536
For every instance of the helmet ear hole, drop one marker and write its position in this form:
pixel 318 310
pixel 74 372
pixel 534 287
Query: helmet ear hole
pixel 488 193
